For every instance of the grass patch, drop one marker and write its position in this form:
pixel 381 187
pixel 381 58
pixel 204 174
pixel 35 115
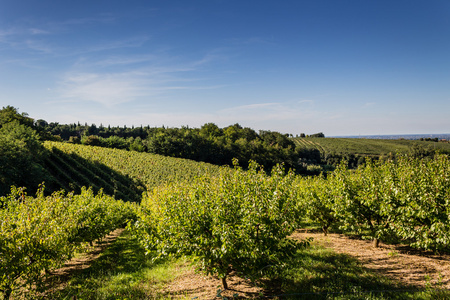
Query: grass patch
pixel 320 273
pixel 123 271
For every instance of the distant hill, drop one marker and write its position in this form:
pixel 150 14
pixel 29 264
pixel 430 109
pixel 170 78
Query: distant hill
pixel 366 146
pixel 445 136
pixel 355 150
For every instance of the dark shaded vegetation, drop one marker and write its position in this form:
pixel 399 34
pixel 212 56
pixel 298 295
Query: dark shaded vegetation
pixel 70 172
pixel 21 152
pixel 25 162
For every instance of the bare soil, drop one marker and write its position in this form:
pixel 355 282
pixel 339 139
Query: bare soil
pixel 398 262
pixel 194 285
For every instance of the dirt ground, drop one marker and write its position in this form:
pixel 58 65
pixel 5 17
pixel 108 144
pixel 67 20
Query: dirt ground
pixel 197 286
pixel 401 263
pixel 398 262
pixel 60 276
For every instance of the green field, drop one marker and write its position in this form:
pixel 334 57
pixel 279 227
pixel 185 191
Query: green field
pixel 216 217
pixel 368 147
pixel 123 174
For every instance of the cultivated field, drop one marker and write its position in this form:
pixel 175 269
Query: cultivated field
pixel 370 147
pixel 189 229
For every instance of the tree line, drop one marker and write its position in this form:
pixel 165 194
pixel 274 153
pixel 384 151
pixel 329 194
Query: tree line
pixel 209 143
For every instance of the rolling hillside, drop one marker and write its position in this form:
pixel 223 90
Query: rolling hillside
pixel 123 174
pixel 367 147
pixel 126 174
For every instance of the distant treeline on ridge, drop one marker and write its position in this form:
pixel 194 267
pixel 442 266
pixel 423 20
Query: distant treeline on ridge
pixel 209 143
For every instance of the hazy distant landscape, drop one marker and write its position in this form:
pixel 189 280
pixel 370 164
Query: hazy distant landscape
pixel 441 136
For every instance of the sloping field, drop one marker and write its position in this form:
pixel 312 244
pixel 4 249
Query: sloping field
pixel 308 144
pixel 90 165
pixel 367 146
pixel 70 172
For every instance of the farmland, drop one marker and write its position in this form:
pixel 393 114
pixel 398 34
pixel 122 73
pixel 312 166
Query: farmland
pixel 215 209
pixel 244 229
pixel 367 147
pixel 132 169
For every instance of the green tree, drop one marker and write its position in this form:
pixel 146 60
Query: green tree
pixel 316 199
pixel 9 114
pixel 20 151
pixel 239 221
pixel 91 140
pixel 360 204
pixel 210 130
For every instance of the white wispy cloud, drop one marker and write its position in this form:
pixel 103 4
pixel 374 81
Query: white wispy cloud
pixel 94 71
pixel 106 89
pixel 254 107
pixel 129 83
pixel 39 46
pixel 41 36
pixel 255 40
pixel 6 34
pixel 117 79
pixel 210 57
pixel 22 39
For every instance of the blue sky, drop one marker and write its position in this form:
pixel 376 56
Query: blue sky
pixel 331 66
